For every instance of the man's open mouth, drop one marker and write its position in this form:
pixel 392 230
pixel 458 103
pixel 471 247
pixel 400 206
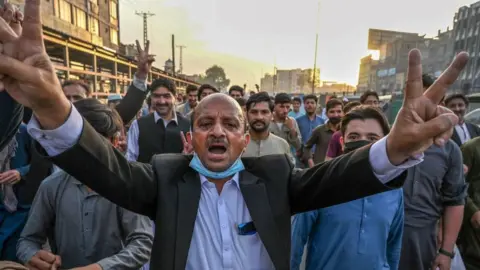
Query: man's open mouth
pixel 217 149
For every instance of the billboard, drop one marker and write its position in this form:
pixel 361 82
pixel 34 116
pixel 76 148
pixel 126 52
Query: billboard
pixel 377 37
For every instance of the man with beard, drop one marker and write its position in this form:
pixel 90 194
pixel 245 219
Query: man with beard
pixel 283 126
pixel 262 142
pixel 321 135
pixel 188 106
pixel 308 122
pixel 160 131
pixel 463 131
pixel 216 210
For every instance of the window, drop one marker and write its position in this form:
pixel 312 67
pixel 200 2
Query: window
pixel 80 18
pixel 64 10
pixel 113 9
pixel 94 29
pixel 113 36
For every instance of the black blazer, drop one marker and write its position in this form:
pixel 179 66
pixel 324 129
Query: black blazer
pixel 473 129
pixel 41 168
pixel 168 191
pixel 10 118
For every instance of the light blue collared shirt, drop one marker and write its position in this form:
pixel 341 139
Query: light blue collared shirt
pixel 219 248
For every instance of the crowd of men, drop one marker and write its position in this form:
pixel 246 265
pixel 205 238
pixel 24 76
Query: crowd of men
pixel 224 181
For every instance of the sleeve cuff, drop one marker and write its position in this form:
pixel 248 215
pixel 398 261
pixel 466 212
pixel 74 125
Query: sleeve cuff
pixel 61 139
pixel 382 168
pixel 139 83
pixel 28 254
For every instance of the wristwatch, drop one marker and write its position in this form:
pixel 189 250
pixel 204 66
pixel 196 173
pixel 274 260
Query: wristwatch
pixel 446 253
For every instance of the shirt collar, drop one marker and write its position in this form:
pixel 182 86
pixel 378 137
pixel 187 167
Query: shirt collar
pixel 204 180
pixel 158 117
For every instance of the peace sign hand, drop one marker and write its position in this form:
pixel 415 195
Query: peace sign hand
pixel 145 60
pixel 30 76
pixel 187 145
pixel 421 121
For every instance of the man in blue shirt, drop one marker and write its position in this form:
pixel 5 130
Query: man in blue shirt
pixel 297 109
pixel 363 234
pixel 308 122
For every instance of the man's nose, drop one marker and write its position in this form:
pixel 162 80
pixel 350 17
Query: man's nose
pixel 218 130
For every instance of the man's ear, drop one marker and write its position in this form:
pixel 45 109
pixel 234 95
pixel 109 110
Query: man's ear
pixel 246 139
pixel 115 141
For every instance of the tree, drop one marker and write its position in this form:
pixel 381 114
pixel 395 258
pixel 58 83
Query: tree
pixel 216 76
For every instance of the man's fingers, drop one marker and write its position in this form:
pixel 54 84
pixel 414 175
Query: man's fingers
pixel 184 140
pixel 440 128
pixel 39 263
pixel 6 32
pixel 18 70
pixel 32 23
pixel 147 47
pixel 414 87
pixel 439 88
pixel 139 48
pixel 8 12
pixel 58 261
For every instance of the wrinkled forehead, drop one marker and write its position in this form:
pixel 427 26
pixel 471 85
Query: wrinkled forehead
pixel 221 109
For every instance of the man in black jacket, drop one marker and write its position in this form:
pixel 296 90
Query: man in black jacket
pixel 216 210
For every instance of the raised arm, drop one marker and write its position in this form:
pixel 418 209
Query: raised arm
pixel 137 91
pixel 84 154
pixel 370 170
pixel 355 175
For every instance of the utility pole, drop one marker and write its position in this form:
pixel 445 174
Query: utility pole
pixel 181 47
pixel 145 16
pixel 173 54
pixel 314 77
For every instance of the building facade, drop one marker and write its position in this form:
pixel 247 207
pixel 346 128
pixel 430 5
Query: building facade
pixel 388 74
pixel 82 39
pixel 466 33
pixel 366 81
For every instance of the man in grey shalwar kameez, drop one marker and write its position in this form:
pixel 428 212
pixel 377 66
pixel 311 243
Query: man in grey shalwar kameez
pixel 434 189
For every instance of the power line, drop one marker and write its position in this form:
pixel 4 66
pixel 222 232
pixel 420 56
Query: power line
pixel 181 47
pixel 145 16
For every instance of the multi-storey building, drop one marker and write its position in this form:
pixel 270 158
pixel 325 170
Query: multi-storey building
pixel 293 81
pixel 390 70
pixel 266 83
pixel 366 81
pixel 466 29
pixel 82 38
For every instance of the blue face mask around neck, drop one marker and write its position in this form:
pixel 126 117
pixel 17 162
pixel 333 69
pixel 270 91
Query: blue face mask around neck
pixel 197 165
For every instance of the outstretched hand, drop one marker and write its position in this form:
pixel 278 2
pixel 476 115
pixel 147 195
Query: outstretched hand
pixel 30 77
pixel 145 60
pixel 422 121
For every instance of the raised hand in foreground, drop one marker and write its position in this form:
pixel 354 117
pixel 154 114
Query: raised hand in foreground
pixel 30 76
pixel 421 121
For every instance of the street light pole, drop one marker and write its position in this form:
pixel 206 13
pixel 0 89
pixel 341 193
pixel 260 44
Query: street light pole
pixel 314 76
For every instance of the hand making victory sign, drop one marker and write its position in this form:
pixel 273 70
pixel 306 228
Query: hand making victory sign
pixel 32 81
pixel 145 60
pixel 421 121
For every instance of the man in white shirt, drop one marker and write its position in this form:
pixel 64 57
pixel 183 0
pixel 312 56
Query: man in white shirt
pixel 213 211
pixel 463 131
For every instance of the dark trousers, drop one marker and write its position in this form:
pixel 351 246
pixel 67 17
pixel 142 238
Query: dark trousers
pixel 419 247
